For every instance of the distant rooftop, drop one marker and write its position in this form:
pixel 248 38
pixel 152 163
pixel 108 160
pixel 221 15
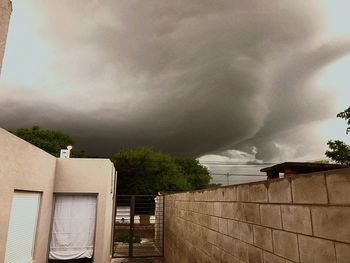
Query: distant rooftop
pixel 290 168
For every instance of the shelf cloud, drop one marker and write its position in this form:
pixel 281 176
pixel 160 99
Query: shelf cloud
pixel 188 77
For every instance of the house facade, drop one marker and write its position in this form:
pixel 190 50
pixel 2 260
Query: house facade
pixel 5 13
pixel 36 191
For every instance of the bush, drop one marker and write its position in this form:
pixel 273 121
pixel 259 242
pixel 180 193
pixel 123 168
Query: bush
pixel 124 237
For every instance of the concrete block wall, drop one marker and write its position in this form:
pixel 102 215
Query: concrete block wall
pixel 304 218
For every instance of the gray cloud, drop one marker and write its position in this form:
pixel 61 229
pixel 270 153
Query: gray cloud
pixel 189 77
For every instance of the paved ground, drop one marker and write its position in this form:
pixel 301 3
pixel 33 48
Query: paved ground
pixel 139 260
pixel 145 248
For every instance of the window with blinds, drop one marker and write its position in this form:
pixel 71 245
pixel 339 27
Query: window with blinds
pixel 22 227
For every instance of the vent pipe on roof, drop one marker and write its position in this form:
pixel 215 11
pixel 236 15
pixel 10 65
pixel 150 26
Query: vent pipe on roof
pixel 65 153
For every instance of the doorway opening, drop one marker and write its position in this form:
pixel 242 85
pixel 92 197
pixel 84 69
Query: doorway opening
pixel 73 229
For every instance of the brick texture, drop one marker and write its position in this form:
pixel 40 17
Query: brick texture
pixel 315 250
pixel 263 237
pixel 342 252
pixel 302 219
pixel 332 223
pixel 280 191
pixel 285 244
pixel 338 185
pixel 271 216
pixel 296 219
pixel 310 189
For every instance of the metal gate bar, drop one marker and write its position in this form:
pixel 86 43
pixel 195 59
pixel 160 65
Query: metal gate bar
pixel 138 226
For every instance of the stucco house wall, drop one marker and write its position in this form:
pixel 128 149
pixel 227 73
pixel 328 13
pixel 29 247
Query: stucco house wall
pixel 27 168
pixel 74 176
pixel 5 13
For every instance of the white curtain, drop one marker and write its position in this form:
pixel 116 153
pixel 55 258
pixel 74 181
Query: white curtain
pixel 73 229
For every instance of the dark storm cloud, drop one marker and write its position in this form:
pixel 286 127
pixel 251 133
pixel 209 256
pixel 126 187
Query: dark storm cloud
pixel 189 77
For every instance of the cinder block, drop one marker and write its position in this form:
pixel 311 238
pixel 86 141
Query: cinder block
pixel 204 221
pixel 331 223
pixel 226 258
pixel 238 211
pixel 316 250
pixel 263 237
pixel 271 258
pixel 309 189
pixel 215 195
pixel 243 192
pixel 202 257
pixel 211 237
pixel 271 216
pixel 217 209
pixel 215 254
pixel 343 252
pixel 254 255
pixel 212 196
pixel 246 232
pixel 219 242
pixel 221 194
pixel 338 184
pixel 205 208
pixel 233 228
pixel 279 191
pixel 240 250
pixel 226 210
pixel 258 193
pixel 205 195
pixel 251 213
pixel 223 226
pixel 296 219
pixel 231 194
pixel 206 247
pixel 228 244
pixel 285 244
pixel 214 223
pixel 210 207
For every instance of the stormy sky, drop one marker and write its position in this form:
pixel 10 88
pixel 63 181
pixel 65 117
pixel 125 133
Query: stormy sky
pixel 230 79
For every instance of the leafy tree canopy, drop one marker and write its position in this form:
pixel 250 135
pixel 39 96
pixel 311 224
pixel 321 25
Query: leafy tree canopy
pixel 146 171
pixel 197 175
pixel 345 115
pixel 339 151
pixel 48 140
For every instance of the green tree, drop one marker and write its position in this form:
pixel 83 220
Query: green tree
pixel 197 175
pixel 146 171
pixel 345 115
pixel 48 140
pixel 339 151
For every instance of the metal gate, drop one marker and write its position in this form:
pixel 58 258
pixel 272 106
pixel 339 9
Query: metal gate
pixel 138 226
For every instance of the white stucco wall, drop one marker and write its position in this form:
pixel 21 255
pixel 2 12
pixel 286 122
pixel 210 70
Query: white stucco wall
pixel 28 168
pixel 25 167
pixel 93 176
pixel 5 13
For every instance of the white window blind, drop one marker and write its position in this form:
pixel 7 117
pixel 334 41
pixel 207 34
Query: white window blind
pixel 22 227
pixel 73 228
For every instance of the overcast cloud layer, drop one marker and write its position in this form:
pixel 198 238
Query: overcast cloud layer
pixel 189 77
